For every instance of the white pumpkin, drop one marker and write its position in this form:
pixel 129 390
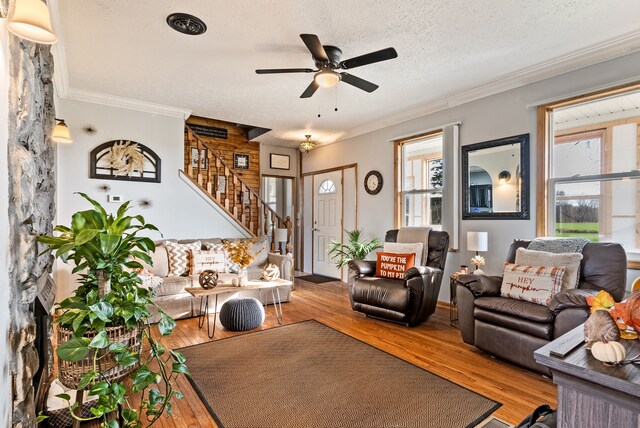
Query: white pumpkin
pixel 608 352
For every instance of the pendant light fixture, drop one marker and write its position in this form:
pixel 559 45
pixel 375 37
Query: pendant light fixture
pixel 61 133
pixel 31 21
pixel 307 145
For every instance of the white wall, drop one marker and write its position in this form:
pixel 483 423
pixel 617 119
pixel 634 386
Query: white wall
pixel 497 116
pixel 5 378
pixel 177 210
pixel 265 156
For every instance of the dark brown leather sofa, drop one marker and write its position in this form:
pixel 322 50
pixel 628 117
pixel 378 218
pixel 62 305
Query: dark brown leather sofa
pixel 513 329
pixel 409 301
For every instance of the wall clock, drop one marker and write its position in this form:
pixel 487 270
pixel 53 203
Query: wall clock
pixel 373 182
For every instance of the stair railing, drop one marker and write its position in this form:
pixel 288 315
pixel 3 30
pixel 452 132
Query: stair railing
pixel 208 171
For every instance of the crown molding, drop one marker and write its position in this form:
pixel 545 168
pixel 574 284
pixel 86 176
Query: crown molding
pixel 126 103
pixel 592 55
pixel 60 71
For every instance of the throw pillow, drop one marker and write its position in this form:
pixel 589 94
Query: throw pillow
pixel 536 284
pixel 160 262
pixel 202 260
pixel 569 261
pixel 404 248
pixel 179 255
pixel 391 265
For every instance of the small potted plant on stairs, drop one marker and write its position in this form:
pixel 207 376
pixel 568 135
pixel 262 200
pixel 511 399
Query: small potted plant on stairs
pixel 102 327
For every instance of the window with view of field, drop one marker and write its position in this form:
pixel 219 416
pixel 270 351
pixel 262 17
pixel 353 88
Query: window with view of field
pixel 593 184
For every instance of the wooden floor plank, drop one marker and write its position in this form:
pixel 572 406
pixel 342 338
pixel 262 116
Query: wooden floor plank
pixel 434 345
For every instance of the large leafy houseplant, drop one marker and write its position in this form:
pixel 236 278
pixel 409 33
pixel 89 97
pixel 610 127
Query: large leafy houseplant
pixel 356 248
pixel 105 249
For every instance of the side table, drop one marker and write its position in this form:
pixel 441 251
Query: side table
pixel 453 302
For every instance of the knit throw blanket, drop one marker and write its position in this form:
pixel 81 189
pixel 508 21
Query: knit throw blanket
pixel 558 245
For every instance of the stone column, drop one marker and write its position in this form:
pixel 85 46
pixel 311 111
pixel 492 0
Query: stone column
pixel 31 206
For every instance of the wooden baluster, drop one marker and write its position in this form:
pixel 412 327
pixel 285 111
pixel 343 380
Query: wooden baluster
pixel 227 190
pixel 218 175
pixel 274 224
pixel 210 176
pixel 245 192
pixel 251 223
pixel 265 223
pixel 199 161
pixel 289 226
pixel 236 195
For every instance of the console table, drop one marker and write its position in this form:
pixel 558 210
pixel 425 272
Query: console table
pixel 591 394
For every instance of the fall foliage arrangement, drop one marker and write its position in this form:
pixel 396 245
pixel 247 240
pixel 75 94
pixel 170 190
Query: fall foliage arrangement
pixel 239 252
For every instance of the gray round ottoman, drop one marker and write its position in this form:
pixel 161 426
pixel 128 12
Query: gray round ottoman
pixel 242 314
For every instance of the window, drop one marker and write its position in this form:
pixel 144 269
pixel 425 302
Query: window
pixel 327 186
pixel 419 196
pixel 592 186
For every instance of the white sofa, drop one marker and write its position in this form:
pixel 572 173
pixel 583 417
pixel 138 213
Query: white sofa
pixel 176 302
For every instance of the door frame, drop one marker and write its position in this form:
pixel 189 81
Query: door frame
pixel 312 174
pixel 294 190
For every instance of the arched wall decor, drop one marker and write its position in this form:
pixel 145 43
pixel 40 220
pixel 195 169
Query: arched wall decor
pixel 100 165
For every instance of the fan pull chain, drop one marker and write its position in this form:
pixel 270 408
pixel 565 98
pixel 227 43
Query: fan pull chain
pixel 336 100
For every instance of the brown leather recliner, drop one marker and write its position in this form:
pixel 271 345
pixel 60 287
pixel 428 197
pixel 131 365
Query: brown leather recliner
pixel 409 301
pixel 513 329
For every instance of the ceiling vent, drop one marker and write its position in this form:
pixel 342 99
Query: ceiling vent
pixel 186 24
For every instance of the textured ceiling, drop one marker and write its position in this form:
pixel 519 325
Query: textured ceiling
pixel 125 48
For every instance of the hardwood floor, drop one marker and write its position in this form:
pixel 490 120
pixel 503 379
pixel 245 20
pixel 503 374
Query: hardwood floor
pixel 434 345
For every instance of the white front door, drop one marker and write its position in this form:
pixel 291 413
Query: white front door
pixel 327 221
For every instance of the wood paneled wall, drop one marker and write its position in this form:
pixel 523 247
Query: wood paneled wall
pixel 236 142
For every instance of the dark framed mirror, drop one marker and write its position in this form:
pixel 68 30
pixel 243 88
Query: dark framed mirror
pixel 495 179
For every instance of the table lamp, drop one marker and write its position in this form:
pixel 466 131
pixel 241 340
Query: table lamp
pixel 280 237
pixel 477 241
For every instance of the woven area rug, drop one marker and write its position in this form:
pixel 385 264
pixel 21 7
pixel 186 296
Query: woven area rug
pixel 310 375
pixel 317 279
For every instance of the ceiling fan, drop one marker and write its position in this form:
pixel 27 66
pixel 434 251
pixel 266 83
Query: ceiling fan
pixel 327 61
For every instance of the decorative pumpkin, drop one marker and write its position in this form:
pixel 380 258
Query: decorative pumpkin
pixel 633 311
pixel 271 272
pixel 208 279
pixel 600 327
pixel 608 352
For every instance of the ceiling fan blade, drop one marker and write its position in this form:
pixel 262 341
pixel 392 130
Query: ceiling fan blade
pixel 314 46
pixel 359 83
pixel 370 58
pixel 311 89
pixel 284 70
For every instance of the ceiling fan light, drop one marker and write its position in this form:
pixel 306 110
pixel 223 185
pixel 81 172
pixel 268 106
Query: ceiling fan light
pixel 31 21
pixel 327 78
pixel 61 133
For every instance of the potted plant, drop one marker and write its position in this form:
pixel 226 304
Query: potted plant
pixel 356 248
pixel 102 327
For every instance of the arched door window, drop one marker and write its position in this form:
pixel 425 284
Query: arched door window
pixel 327 186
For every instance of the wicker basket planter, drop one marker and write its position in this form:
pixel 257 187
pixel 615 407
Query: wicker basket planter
pixel 70 373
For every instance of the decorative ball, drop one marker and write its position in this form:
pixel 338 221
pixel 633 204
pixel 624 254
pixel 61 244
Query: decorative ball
pixel 271 272
pixel 235 281
pixel 208 279
pixel 608 352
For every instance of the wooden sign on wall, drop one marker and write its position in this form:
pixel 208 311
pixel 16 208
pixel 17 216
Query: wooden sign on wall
pixel 209 131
